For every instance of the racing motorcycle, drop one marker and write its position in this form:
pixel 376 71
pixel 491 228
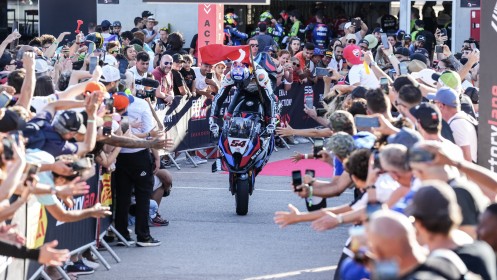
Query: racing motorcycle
pixel 245 147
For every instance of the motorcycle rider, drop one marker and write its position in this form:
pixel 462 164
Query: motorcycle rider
pixel 246 82
pixel 233 37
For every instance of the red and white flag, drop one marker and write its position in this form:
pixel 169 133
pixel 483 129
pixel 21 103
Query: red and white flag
pixel 212 54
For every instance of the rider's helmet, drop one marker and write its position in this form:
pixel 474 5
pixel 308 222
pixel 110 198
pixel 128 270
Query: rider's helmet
pixel 240 73
pixel 96 38
pixel 265 15
pixel 230 19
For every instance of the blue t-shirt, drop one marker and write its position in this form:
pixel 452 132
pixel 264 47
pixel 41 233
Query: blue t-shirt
pixel 362 139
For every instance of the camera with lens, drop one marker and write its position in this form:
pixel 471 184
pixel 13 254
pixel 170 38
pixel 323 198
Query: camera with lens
pixel 151 84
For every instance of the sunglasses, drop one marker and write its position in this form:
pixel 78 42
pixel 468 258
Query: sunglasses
pixel 254 45
pixel 114 51
pixel 352 41
pixel 296 64
pixel 168 63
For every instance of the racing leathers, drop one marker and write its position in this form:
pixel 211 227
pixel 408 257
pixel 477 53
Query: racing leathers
pixel 259 79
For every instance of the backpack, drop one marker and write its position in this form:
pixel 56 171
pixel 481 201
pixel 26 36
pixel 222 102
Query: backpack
pixel 453 266
pixel 468 118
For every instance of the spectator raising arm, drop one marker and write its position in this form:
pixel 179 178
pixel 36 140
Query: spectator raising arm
pixel 92 104
pixel 29 83
pixel 51 50
pixel 11 38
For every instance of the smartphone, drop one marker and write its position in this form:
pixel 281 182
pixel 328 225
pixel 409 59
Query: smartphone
pixel 376 162
pixel 91 47
pixel 309 102
pixel 208 75
pixel 321 72
pixel 403 68
pixel 310 172
pixel 109 105
pixel 296 180
pixel 384 40
pixel 93 63
pixel 357 23
pixel 384 85
pixel 443 32
pixel 5 99
pixel 320 112
pixel 371 208
pixel 417 154
pixel 318 146
pixel 366 121
pixel 8 152
pixel 386 270
pixel 31 170
pixel 123 65
pixel 439 49
pixel 473 46
pixel 107 128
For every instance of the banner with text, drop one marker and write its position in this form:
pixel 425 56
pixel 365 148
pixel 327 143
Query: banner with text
pixel 487 128
pixel 210 25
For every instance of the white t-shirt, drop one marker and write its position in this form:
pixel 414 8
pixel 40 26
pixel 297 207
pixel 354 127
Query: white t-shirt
pixel 385 185
pixel 335 65
pixel 139 112
pixel 200 79
pixel 357 74
pixel 464 133
pixel 39 102
pixel 137 77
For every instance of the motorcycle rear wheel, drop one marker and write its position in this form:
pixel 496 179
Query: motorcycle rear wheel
pixel 242 197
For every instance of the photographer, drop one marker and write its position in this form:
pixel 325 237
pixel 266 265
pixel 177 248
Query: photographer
pixel 139 72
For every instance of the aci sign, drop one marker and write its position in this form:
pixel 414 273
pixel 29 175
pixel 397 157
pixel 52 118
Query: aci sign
pixel 487 129
pixel 210 25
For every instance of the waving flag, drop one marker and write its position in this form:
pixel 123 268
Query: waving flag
pixel 215 53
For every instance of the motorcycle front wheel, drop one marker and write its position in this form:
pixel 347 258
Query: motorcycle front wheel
pixel 242 196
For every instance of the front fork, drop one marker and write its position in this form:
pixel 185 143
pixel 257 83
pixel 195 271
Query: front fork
pixel 234 176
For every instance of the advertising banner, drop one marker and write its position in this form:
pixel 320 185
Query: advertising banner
pixel 487 128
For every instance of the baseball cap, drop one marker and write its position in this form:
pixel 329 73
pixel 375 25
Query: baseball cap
pixel 373 41
pixel 341 144
pixel 377 30
pixel 448 78
pixel 122 100
pixel 146 14
pixel 71 121
pixel 152 19
pixel 178 58
pixel 110 74
pixel 447 96
pixel 402 51
pixel 116 23
pixel 406 136
pixel 427 114
pixel 425 75
pixel 422 51
pixel 347 25
pixel 434 202
pixel 364 41
pixel 318 51
pixel 105 24
pixel 352 53
pixel 350 37
pixel 420 57
pixel 421 38
pixel 11 121
pixel 341 120
pixel 328 53
pixel 94 86
pixel 416 66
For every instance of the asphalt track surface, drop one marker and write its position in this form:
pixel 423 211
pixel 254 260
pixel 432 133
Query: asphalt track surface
pixel 207 240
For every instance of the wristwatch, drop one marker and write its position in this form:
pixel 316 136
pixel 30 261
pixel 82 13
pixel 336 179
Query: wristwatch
pixel 340 219
pixel 373 63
